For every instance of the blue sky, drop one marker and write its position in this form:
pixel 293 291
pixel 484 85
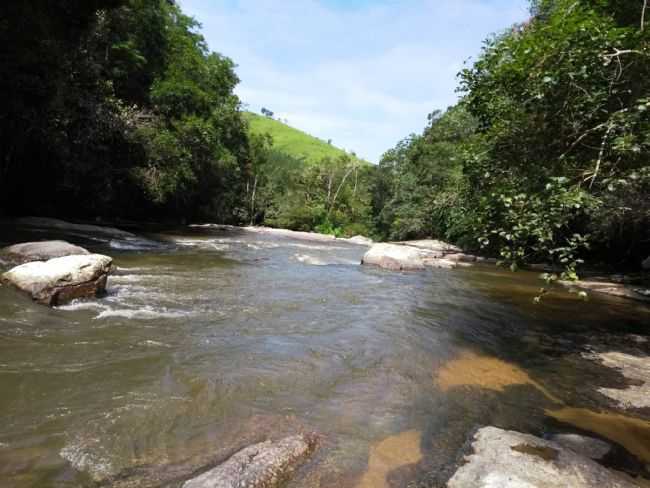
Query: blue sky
pixel 363 73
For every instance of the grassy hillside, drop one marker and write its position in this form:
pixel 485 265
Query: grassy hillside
pixel 293 141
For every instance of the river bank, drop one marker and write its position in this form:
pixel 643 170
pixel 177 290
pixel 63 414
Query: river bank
pixel 214 339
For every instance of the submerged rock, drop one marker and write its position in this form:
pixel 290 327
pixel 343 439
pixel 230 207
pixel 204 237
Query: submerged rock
pixel 63 279
pixel 264 465
pixel 634 368
pixel 646 263
pixel 508 459
pixel 414 255
pixel 41 251
pixel 621 290
pixel 586 446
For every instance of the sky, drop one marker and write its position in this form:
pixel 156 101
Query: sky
pixel 364 73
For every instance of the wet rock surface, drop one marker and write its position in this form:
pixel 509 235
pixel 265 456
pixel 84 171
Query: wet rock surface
pixel 508 459
pixel 636 368
pixel 60 280
pixel 263 465
pixel 41 251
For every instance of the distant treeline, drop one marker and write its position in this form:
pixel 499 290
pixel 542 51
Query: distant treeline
pixel 117 109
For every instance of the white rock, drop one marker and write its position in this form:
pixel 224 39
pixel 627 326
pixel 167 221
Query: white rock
pixel 264 465
pixel 507 459
pixel 414 255
pixel 395 257
pixel 60 280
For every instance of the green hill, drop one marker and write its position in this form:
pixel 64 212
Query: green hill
pixel 293 141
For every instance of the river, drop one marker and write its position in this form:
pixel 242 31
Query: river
pixel 220 338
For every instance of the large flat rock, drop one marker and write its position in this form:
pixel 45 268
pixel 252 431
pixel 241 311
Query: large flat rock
pixel 414 255
pixel 263 465
pixel 507 459
pixel 41 251
pixel 60 280
pixel 110 236
pixel 48 223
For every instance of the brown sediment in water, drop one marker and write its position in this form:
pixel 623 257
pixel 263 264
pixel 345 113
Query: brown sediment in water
pixel 389 454
pixel 631 433
pixel 471 369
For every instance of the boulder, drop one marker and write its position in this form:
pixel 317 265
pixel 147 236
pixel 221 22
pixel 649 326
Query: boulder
pixel 395 257
pixel 41 251
pixel 60 280
pixel 414 255
pixel 646 263
pixel 508 459
pixel 264 465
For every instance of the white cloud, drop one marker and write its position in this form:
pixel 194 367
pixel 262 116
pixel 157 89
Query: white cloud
pixel 366 76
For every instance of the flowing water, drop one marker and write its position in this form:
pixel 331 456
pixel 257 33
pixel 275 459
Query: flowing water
pixel 224 338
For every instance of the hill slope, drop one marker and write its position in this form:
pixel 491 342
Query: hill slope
pixel 293 141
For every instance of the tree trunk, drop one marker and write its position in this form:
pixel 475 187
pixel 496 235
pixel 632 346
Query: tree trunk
pixel 252 211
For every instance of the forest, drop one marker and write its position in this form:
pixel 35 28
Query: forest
pixel 117 109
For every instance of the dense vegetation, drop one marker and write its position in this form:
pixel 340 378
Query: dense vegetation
pixel 303 183
pixel 547 156
pixel 117 109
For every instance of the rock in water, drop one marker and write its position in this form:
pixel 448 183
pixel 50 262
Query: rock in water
pixel 60 280
pixel 414 255
pixel 41 251
pixel 507 459
pixel 263 465
pixel 586 446
pixel 394 257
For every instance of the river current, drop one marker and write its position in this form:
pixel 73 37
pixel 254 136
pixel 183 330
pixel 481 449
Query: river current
pixel 219 338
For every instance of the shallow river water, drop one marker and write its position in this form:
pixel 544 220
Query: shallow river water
pixel 223 338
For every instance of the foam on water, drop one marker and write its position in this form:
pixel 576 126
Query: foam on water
pixel 80 455
pixel 316 261
pixel 134 244
pixel 144 313
pixel 82 305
